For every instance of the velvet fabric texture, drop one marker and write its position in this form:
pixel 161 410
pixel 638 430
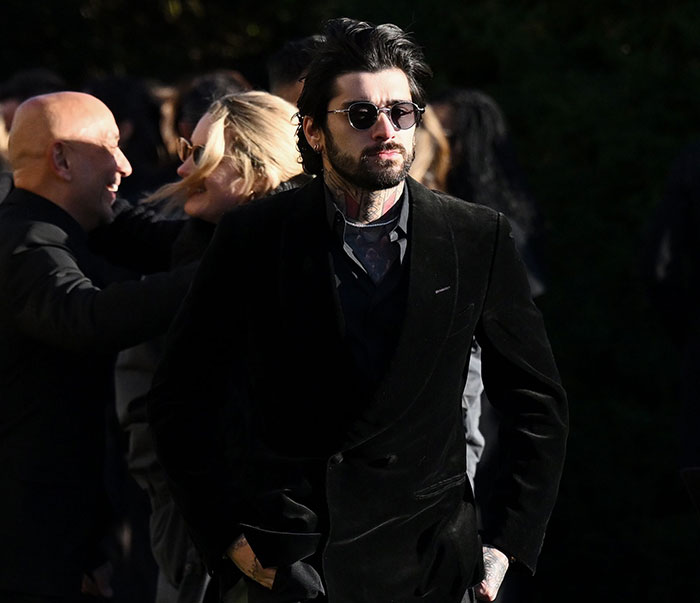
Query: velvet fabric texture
pixel 263 430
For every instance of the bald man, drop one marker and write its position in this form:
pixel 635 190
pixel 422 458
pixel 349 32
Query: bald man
pixel 64 313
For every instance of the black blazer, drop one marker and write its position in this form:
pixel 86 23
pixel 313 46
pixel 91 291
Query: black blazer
pixel 262 428
pixel 64 313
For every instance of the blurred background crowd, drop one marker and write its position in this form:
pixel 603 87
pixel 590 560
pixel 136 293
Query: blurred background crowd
pixel 579 123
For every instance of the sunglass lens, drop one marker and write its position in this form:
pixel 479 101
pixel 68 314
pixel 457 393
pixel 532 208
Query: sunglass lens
pixel 185 149
pixel 403 115
pixel 362 115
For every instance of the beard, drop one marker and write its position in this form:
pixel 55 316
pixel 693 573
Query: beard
pixel 369 172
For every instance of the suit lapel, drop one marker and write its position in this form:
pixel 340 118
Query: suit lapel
pixel 307 281
pixel 432 291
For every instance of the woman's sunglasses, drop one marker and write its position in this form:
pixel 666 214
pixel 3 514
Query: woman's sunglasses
pixel 185 149
pixel 362 115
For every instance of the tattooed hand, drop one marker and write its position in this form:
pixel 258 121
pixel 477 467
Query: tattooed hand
pixel 246 561
pixel 495 567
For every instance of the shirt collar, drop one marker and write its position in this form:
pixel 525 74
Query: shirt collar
pixel 337 221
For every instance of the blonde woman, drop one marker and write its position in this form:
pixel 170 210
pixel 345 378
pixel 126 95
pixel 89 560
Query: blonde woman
pixel 242 149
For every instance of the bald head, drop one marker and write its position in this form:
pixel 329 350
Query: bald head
pixel 64 147
pixel 42 120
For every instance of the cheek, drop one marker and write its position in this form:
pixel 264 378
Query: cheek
pixel 224 188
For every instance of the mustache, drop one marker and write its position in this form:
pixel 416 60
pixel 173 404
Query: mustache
pixel 386 146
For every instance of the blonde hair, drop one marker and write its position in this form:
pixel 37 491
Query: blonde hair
pixel 432 161
pixel 257 132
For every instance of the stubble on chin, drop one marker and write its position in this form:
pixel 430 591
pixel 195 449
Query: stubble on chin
pixel 370 175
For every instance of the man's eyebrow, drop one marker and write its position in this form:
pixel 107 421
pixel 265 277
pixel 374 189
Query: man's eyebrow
pixel 346 104
pixel 388 103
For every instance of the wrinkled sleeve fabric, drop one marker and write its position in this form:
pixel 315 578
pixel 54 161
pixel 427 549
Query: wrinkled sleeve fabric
pixel 186 405
pixel 51 298
pixel 522 381
pixel 204 406
pixel 137 238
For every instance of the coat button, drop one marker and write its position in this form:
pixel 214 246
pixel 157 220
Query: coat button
pixel 336 459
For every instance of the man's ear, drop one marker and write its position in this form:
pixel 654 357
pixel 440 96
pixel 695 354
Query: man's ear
pixel 59 161
pixel 314 135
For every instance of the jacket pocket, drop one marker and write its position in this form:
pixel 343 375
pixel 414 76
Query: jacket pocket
pixel 452 560
pixel 440 487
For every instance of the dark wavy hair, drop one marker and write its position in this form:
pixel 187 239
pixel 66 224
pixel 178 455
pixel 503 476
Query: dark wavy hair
pixel 355 46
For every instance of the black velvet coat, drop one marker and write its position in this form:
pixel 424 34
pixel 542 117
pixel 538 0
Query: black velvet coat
pixel 263 428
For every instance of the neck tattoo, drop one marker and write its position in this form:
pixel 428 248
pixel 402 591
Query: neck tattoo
pixel 358 204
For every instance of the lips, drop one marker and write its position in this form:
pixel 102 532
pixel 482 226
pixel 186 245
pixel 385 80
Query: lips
pixel 384 151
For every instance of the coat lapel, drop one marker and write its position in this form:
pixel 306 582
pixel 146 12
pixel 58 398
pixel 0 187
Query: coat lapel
pixel 430 305
pixel 307 282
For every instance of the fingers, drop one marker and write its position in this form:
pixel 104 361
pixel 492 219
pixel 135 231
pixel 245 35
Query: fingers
pixel 246 561
pixel 495 567
pixel 263 575
pixel 97 582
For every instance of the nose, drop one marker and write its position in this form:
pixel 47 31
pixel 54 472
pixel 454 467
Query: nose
pixel 123 164
pixel 383 129
pixel 184 169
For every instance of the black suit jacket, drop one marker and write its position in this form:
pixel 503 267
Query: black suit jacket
pixel 64 313
pixel 263 429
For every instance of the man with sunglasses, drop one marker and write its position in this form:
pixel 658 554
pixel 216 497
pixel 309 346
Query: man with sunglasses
pixel 308 409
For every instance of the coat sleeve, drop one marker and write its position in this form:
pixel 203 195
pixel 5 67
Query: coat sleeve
pixel 522 382
pixel 201 410
pixel 138 238
pixel 186 405
pixel 51 298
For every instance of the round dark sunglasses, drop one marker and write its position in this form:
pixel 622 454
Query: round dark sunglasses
pixel 362 115
pixel 185 149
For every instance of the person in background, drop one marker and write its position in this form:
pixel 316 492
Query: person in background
pixel 137 112
pixel 287 67
pixel 136 568
pixel 25 84
pixel 241 150
pixel 16 90
pixel 484 170
pixel 430 167
pixel 65 311
pixel 432 161
pixel 4 164
pixel 196 94
pixel 671 271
